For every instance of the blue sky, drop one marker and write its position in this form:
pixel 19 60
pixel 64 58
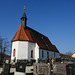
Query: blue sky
pixel 53 18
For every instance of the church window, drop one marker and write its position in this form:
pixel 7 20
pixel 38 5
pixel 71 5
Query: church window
pixel 14 52
pixel 31 53
pixel 47 54
pixel 42 54
pixel 54 55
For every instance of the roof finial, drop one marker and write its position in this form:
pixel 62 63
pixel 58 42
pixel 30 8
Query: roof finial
pixel 24 8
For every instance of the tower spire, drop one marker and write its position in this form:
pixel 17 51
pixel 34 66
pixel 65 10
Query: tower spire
pixel 24 19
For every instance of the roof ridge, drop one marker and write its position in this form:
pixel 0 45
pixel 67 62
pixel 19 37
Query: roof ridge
pixel 35 31
pixel 19 33
pixel 24 32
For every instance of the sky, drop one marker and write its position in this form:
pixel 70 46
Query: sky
pixel 53 18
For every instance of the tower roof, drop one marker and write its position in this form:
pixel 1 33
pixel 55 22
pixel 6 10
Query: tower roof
pixel 20 35
pixel 31 35
pixel 24 15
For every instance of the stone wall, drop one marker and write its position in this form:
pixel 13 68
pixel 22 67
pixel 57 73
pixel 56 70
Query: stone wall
pixel 59 68
pixel 40 68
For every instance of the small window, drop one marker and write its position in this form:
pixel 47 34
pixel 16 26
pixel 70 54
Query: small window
pixel 31 53
pixel 14 51
pixel 42 54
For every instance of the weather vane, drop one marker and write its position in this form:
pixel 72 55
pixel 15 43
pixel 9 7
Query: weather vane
pixel 24 8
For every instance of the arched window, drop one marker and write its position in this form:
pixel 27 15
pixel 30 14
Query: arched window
pixel 42 54
pixel 14 51
pixel 54 55
pixel 31 53
pixel 47 54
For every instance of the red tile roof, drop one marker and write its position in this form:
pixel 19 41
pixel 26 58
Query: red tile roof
pixel 31 35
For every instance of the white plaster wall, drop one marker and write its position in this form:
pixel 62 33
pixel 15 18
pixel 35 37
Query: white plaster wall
pixel 14 46
pixel 23 51
pixel 37 55
pixel 51 54
pixel 35 48
pixel 21 48
pixel 31 46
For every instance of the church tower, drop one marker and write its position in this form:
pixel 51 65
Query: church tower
pixel 24 20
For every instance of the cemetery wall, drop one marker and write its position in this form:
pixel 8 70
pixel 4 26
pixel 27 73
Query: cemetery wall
pixel 41 68
pixel 59 68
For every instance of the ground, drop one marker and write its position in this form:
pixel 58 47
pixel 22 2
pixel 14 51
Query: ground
pixel 32 74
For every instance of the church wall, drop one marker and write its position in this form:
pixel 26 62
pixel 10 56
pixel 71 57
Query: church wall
pixel 35 48
pixel 51 54
pixel 37 52
pixel 14 46
pixel 57 54
pixel 31 46
pixel 21 50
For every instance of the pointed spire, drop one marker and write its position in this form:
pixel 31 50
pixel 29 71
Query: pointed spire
pixel 24 19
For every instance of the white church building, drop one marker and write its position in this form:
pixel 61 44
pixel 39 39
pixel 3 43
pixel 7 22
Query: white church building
pixel 29 44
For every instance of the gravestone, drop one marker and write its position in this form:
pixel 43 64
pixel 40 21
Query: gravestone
pixel 41 68
pixel 70 69
pixel 59 68
pixel 20 68
pixel 6 69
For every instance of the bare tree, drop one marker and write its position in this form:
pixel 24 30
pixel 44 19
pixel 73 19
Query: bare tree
pixel 4 47
pixel 1 43
pixel 69 53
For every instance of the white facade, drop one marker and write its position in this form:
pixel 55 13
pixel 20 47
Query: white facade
pixel 23 51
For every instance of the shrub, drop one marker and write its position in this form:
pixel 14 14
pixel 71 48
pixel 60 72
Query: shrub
pixel 39 60
pixel 28 64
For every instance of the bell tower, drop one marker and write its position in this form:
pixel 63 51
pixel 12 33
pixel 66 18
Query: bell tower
pixel 24 19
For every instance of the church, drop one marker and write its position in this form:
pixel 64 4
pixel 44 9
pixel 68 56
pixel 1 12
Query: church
pixel 29 44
